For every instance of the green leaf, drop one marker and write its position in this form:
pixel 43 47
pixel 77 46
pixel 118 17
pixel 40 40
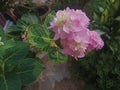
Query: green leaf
pixel 95 16
pixel 39 36
pixel 101 9
pixel 56 56
pixel 28 70
pixel 22 25
pixel 11 82
pixel 117 18
pixel 28 19
pixel 14 32
pixel 49 18
pixel 1 31
pixel 16 68
pixel 2 34
pixel 7 44
pixel 19 52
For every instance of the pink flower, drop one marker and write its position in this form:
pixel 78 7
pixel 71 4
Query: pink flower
pixel 73 48
pixel 71 27
pixel 68 21
pixel 95 41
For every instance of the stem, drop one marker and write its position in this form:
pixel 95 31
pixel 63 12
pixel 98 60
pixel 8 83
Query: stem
pixel 48 39
pixel 3 75
pixel 2 66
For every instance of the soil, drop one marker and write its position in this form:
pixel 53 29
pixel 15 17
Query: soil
pixel 69 85
pixel 66 84
pixel 55 77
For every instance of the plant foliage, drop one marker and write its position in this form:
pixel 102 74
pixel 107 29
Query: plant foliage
pixel 103 67
pixel 15 32
pixel 16 67
pixel 39 35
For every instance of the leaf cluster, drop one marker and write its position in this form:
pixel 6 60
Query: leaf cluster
pixel 103 68
pixel 17 67
pixel 39 35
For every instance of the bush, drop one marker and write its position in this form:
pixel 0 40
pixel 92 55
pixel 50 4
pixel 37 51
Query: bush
pixel 103 67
